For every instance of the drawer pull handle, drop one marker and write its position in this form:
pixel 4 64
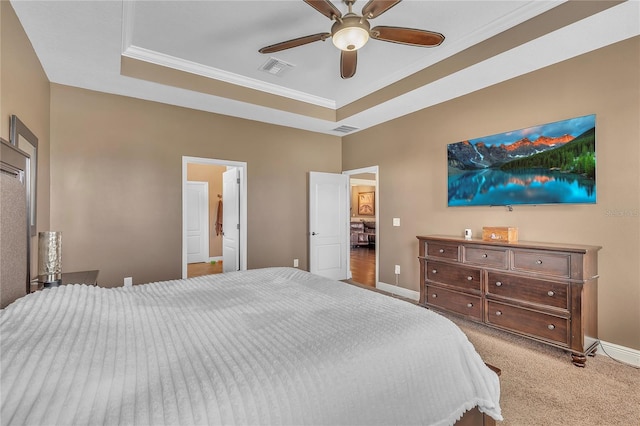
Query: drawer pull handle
pixel 539 262
pixel 441 250
pixel 551 326
pixel 469 305
pixel 498 284
pixel 434 295
pixel 469 278
pixel 434 271
pixel 550 293
pixel 498 313
pixel 484 255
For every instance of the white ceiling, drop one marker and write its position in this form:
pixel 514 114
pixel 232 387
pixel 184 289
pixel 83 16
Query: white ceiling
pixel 80 43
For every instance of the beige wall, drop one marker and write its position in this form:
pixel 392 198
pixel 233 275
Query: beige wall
pixel 116 170
pixel 25 93
pixel 411 153
pixel 211 174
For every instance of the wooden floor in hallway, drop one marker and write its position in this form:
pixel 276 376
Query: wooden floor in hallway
pixel 204 268
pixel 363 265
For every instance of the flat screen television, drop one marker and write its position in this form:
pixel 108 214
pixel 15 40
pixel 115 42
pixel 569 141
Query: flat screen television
pixel 553 163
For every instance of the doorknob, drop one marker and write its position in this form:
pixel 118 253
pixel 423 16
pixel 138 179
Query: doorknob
pixel 313 233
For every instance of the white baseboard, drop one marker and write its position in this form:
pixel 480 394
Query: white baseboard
pixel 620 353
pixel 216 258
pixel 399 291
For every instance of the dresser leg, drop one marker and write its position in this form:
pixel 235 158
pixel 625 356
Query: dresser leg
pixel 578 360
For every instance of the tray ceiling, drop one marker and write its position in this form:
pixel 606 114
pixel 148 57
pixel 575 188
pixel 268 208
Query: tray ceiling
pixel 204 54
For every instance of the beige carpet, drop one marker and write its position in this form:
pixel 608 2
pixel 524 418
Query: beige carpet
pixel 540 385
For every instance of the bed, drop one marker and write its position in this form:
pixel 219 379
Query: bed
pixel 264 346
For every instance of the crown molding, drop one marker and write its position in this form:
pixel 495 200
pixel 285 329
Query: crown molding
pixel 179 64
pixel 158 58
pixel 128 9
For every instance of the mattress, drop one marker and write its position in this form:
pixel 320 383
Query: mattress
pixel 265 346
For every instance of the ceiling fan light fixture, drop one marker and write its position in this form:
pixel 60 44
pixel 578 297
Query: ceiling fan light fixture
pixel 351 33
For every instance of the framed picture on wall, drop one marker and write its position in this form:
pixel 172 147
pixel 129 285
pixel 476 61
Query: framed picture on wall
pixel 366 203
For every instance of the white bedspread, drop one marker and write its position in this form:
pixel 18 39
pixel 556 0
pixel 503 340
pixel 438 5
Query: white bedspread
pixel 270 346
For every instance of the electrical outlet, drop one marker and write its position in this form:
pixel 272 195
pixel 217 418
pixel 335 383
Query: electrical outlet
pixel 295 263
pixel 397 270
pixel 128 281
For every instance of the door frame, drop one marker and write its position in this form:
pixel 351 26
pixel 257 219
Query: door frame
pixel 375 170
pixel 242 166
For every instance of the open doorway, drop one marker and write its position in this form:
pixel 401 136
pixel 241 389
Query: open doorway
pixel 363 215
pixel 204 244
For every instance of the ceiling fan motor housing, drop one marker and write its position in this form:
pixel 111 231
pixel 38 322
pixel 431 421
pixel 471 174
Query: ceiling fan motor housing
pixel 351 32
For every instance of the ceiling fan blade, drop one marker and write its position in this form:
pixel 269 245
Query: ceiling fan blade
pixel 348 63
pixel 325 7
pixel 408 36
pixel 376 8
pixel 295 42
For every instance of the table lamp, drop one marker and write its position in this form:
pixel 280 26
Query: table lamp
pixel 50 258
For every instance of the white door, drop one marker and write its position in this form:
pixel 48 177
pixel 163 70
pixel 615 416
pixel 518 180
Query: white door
pixel 197 222
pixel 328 227
pixel 231 220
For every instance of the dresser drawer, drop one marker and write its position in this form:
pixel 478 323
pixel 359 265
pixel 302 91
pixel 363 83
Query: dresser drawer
pixel 442 250
pixel 537 324
pixel 485 256
pixel 455 275
pixel 557 264
pixel 528 289
pixel 461 303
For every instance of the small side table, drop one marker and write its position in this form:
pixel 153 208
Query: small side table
pixel 80 277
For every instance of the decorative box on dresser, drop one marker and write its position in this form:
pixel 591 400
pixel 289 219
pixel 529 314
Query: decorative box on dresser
pixel 547 292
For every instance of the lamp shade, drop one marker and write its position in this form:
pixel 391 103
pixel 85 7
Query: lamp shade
pixel 351 33
pixel 351 38
pixel 50 257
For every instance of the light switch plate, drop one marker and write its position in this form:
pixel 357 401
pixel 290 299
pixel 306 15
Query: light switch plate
pixel 396 221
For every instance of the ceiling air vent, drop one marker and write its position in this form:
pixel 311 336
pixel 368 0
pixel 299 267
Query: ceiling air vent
pixel 276 66
pixel 345 129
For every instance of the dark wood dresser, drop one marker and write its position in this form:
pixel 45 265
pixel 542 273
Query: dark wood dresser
pixel 547 292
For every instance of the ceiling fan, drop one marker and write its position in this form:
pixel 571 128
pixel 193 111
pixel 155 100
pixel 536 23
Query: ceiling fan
pixel 351 31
